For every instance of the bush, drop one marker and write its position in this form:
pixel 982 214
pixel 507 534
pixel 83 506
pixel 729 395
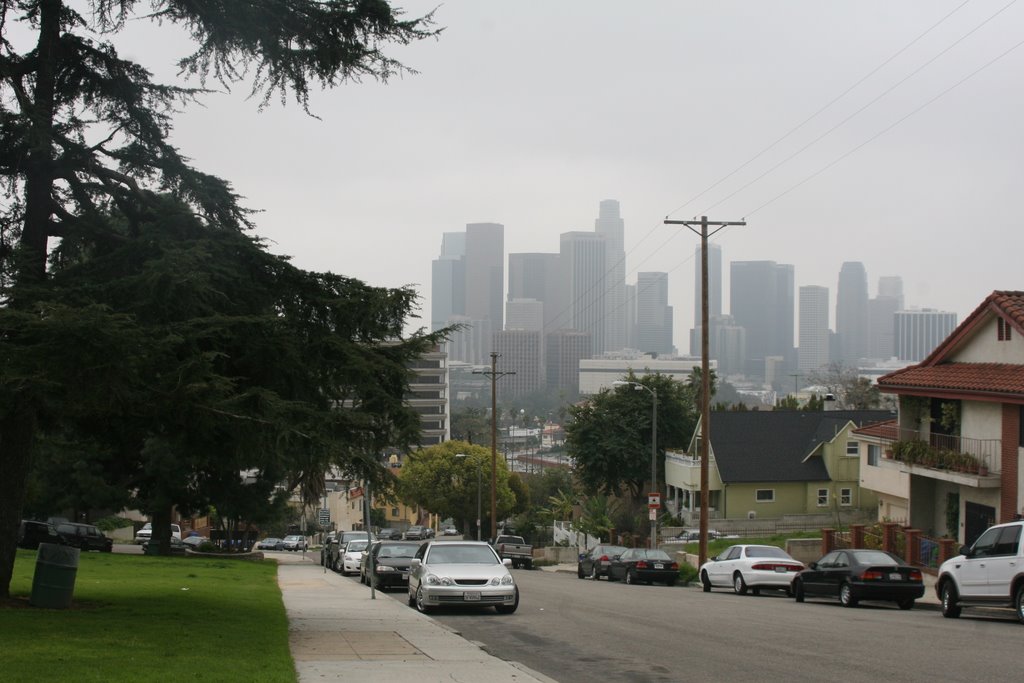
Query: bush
pixel 111 523
pixel 687 573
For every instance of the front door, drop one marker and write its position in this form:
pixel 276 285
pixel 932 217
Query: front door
pixel 977 518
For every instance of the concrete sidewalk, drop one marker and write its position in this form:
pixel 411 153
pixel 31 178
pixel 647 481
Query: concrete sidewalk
pixel 338 633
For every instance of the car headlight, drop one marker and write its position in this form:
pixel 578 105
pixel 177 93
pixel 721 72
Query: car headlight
pixel 507 580
pixel 385 568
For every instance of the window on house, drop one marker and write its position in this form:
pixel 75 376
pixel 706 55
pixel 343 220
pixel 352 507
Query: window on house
pixel 874 452
pixel 822 498
pixel 765 495
pixel 1003 330
pixel 846 497
pixel 852 448
pixel 394 512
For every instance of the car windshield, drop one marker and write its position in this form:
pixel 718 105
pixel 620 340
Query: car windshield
pixel 449 553
pixel 652 555
pixel 293 538
pixel 873 557
pixel 397 551
pixel 355 546
pixel 766 551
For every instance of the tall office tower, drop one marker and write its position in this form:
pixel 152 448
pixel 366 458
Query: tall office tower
pixel 448 280
pixel 485 276
pixel 891 286
pixel 610 224
pixel 631 338
pixel 563 351
pixel 519 352
pixel 536 276
pixel 814 333
pixel 468 344
pixel 653 314
pixel 582 259
pixel 714 285
pixel 852 313
pixel 881 309
pixel 524 314
pixel 727 344
pixel 918 332
pixel 762 301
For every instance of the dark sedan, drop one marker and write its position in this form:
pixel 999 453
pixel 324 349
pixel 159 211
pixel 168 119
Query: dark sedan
pixel 390 562
pixel 640 565
pixel 854 575
pixel 596 562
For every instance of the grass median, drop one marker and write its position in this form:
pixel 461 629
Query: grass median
pixel 141 618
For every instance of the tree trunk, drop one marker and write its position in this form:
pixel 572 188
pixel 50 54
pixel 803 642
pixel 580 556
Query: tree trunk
pixel 17 429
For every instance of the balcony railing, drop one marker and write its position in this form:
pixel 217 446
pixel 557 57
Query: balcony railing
pixel 944 451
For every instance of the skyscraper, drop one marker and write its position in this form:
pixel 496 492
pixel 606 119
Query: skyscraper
pixel 582 260
pixel 524 314
pixel 881 309
pixel 714 285
pixel 520 352
pixel 536 276
pixel 448 280
pixel 814 337
pixel 762 301
pixel 918 332
pixel 852 313
pixel 610 224
pixel 485 273
pixel 653 314
pixel 563 352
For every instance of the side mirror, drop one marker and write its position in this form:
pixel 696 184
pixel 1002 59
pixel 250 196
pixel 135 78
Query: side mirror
pixel 813 565
pixel 966 551
pixel 507 562
pixel 416 563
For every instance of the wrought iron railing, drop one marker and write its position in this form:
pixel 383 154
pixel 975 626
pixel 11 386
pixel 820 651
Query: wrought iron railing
pixel 943 451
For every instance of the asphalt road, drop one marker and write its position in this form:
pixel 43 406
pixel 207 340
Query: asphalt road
pixel 578 631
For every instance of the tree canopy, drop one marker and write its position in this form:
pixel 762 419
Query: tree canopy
pixel 609 435
pixel 85 156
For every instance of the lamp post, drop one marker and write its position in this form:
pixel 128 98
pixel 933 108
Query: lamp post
pixel 479 497
pixel 654 446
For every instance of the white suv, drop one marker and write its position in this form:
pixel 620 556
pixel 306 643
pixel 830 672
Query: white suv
pixel 146 532
pixel 988 574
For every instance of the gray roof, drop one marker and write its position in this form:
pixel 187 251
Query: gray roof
pixel 772 446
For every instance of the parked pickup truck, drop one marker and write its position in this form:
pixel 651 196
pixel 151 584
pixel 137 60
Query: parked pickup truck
pixel 516 549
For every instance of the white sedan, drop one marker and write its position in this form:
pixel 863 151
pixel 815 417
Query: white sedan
pixel 352 557
pixel 750 567
pixel 461 573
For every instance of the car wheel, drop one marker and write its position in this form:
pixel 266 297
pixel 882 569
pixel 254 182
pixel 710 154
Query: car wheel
pixel 420 604
pixel 336 566
pixel 738 584
pixel 411 598
pixel 906 604
pixel 798 590
pixel 629 578
pixel 1018 603
pixel 579 572
pixel 950 609
pixel 705 582
pixel 846 598
pixel 509 609
pixel 593 573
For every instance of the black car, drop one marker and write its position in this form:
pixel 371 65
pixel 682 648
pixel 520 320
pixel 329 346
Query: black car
pixel 388 563
pixel 85 536
pixel 31 534
pixel 861 574
pixel 596 562
pixel 389 534
pixel 640 565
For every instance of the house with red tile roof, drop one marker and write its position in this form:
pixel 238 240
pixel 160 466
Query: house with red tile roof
pixel 950 464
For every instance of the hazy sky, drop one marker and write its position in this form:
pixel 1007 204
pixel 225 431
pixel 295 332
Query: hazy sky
pixel 530 113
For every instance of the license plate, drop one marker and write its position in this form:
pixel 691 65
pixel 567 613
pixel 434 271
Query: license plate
pixel 895 576
pixel 781 570
pixel 471 596
pixel 405 575
pixel 659 566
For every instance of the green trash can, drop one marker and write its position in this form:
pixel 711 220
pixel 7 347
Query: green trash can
pixel 54 580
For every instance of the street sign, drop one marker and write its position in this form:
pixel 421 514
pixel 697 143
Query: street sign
pixel 653 512
pixel 325 517
pixel 654 500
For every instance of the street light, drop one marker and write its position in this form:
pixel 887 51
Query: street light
pixel 479 489
pixel 654 446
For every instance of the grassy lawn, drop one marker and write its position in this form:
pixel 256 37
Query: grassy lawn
pixel 139 618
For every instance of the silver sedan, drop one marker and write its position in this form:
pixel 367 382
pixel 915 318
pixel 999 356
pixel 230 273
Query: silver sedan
pixel 461 573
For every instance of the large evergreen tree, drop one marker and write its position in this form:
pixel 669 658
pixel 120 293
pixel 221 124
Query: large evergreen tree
pixel 84 136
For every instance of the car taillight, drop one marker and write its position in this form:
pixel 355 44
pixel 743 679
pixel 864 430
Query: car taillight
pixel 641 565
pixel 775 566
pixel 604 558
pixel 915 575
pixel 674 566
pixel 872 575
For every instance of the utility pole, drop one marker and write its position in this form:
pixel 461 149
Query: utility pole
pixel 495 376
pixel 705 379
pixel 796 383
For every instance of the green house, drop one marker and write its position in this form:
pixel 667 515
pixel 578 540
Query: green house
pixel 768 464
